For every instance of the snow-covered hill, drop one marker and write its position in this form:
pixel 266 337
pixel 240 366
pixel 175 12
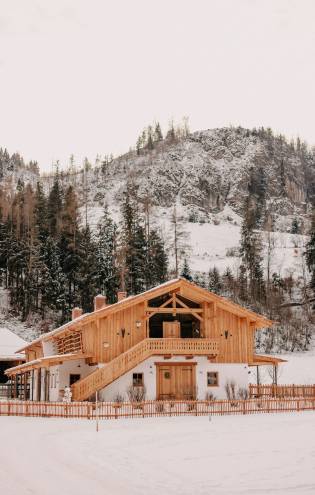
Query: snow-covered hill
pixel 206 175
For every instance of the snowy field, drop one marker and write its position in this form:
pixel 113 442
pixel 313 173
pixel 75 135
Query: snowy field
pixel 259 454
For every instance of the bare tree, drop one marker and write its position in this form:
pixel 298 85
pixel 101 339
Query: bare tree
pixel 180 236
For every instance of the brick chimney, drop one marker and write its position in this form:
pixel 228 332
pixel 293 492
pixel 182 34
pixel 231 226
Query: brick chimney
pixel 99 302
pixel 76 312
pixel 121 295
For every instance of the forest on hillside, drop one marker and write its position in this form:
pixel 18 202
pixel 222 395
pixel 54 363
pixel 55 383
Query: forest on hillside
pixel 51 260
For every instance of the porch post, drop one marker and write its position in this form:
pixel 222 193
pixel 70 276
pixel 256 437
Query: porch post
pixel 32 385
pixel 14 386
pixel 10 390
pixel 257 375
pixel 276 374
pixel 39 384
pixel 25 385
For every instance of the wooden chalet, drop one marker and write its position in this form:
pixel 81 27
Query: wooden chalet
pixel 176 340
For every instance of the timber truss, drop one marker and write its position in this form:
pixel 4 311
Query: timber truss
pixel 174 306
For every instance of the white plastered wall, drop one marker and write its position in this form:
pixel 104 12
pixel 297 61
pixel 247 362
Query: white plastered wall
pixel 49 348
pixel 60 376
pixel 236 372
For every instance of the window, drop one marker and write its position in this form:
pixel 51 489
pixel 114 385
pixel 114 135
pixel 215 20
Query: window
pixel 137 379
pixel 213 379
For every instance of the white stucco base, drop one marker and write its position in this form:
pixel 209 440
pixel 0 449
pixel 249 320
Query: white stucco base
pixel 227 372
pixel 60 376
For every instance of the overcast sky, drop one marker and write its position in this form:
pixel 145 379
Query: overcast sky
pixel 85 77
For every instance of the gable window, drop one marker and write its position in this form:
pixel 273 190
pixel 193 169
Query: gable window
pixel 137 379
pixel 212 379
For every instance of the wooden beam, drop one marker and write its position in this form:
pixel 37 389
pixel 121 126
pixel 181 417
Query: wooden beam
pixel 181 303
pixel 174 304
pixel 166 303
pixel 178 310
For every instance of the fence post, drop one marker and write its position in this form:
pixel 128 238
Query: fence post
pixel 244 406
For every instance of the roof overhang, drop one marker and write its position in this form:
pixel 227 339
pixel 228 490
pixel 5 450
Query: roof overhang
pixel 45 362
pixel 259 360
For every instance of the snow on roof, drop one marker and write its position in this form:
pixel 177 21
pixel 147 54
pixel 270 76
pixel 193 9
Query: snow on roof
pixel 9 344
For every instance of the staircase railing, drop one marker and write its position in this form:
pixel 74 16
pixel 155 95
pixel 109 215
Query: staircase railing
pixel 123 363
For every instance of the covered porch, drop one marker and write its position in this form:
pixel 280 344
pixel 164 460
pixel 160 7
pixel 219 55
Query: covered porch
pixel 44 379
pixel 273 362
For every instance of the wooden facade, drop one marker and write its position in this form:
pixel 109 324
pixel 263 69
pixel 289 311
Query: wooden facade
pixel 177 318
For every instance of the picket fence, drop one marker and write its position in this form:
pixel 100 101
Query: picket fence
pixel 111 410
pixel 282 391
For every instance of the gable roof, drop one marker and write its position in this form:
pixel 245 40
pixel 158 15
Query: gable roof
pixel 9 345
pixel 187 289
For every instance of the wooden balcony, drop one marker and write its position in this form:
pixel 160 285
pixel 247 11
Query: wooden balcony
pixel 123 363
pixel 183 346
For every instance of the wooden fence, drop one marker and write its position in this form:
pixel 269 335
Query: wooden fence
pixel 282 391
pixel 111 410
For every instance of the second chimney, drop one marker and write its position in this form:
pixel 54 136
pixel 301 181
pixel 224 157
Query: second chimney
pixel 121 295
pixel 99 302
pixel 76 312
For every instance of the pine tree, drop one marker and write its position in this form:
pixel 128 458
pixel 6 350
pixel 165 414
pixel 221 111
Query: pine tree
pixel 250 251
pixel 133 246
pixel 40 213
pixel 69 240
pixel 54 207
pixel 150 142
pixel 158 136
pixel 200 279
pixel 310 258
pixel 156 260
pixel 186 272
pixel 52 278
pixel 105 257
pixel 139 145
pixel 228 282
pixel 87 281
pixel 214 283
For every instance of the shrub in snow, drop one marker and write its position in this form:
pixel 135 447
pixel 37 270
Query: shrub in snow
pixel 118 398
pixel 210 397
pixel 243 393
pixel 136 394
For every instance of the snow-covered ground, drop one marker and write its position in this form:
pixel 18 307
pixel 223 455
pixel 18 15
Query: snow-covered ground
pixel 259 454
pixel 211 245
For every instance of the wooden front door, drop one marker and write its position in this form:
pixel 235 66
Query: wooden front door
pixel 171 329
pixel 176 381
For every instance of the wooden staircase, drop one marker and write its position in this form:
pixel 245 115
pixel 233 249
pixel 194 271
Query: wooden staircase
pixel 100 378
